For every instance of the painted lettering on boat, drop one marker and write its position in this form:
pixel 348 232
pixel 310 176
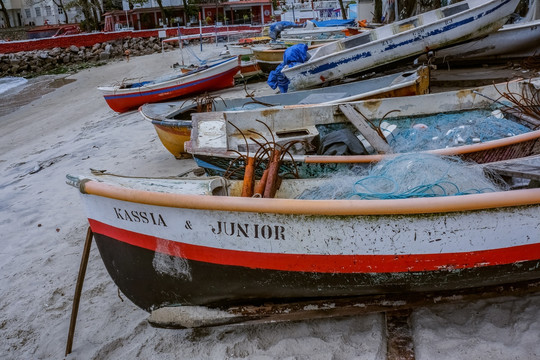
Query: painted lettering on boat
pixel 255 231
pixel 140 217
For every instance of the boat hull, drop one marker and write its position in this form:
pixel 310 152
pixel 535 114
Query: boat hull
pixel 267 66
pixel 511 41
pixel 270 57
pixel 186 256
pixel 394 42
pixel 240 285
pixel 248 69
pixel 215 78
pixel 173 138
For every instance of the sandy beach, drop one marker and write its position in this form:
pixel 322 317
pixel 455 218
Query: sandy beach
pixel 70 130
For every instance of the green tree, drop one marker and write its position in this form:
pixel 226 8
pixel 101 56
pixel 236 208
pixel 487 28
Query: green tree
pixel 343 10
pixel 91 19
pixel 378 11
pixel 5 13
pixel 163 12
pixel 132 3
pixel 60 4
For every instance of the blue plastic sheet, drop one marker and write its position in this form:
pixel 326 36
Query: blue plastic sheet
pixel 277 28
pixel 335 22
pixel 296 54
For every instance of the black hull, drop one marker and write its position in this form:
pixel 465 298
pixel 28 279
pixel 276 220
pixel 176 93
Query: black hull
pixel 133 271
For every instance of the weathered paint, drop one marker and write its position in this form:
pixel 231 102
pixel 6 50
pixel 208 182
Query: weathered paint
pixel 335 60
pixel 173 138
pixel 218 76
pixel 217 160
pixel 510 41
pixel 167 115
pixel 213 253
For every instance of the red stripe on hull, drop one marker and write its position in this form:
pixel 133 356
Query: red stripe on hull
pixel 326 263
pixel 221 81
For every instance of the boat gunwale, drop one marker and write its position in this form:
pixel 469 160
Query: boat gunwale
pixel 413 206
pixel 520 25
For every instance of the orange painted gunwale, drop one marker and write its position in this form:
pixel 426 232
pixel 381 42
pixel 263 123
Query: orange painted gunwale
pixel 317 207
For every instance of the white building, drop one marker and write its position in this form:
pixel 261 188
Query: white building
pixel 298 11
pixel 37 12
pixel 14 12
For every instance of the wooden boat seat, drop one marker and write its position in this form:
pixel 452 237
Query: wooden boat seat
pixel 378 143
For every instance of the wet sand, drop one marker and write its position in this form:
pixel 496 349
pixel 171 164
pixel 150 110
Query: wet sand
pixel 33 90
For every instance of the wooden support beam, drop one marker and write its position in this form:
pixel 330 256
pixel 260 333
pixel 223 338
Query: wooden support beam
pixel 399 337
pixel 199 316
pixel 378 143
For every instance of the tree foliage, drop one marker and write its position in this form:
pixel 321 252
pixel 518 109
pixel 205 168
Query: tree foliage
pixel 92 11
pixel 60 5
pixel 5 14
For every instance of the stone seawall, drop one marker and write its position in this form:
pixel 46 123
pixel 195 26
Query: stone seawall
pixel 36 62
pixel 39 56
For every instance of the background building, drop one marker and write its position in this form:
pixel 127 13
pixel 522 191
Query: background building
pixel 149 15
pixel 37 13
pixel 300 11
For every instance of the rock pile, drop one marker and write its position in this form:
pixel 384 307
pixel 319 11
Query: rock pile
pixel 31 63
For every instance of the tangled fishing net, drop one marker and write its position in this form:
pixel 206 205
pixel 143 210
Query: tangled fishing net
pixel 407 176
pixel 453 129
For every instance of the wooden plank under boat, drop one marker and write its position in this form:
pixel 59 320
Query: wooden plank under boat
pixel 216 76
pixel 389 304
pixel 172 120
pixel 170 242
pixel 432 30
pixel 218 139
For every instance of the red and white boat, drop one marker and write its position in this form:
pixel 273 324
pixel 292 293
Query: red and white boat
pixel 129 96
pixel 168 242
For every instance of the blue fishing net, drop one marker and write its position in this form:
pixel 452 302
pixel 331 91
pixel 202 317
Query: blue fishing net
pixel 406 176
pixel 451 129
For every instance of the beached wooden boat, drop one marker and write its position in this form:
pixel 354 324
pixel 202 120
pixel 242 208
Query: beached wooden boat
pixel 270 56
pixel 320 32
pixel 129 96
pixel 512 41
pixel 217 139
pixel 248 67
pixel 172 242
pixel 432 30
pixel 172 120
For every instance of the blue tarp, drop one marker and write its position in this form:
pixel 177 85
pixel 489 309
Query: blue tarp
pixel 336 22
pixel 296 54
pixel 277 28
